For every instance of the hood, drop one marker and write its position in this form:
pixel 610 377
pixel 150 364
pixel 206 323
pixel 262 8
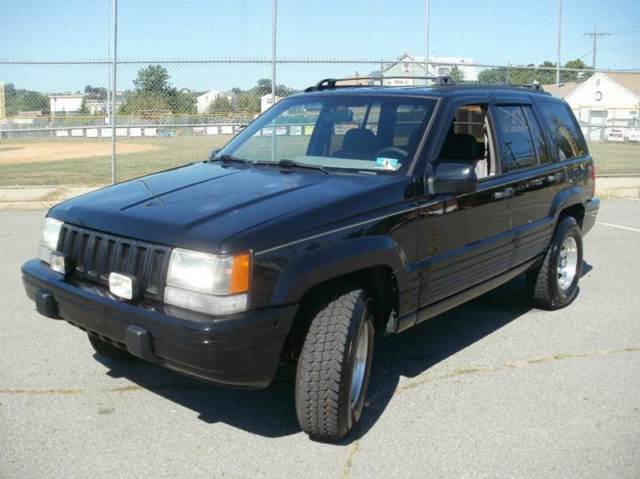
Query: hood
pixel 200 205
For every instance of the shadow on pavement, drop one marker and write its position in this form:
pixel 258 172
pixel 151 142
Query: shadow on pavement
pixel 271 412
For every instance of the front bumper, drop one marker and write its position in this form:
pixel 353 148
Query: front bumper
pixel 591 208
pixel 241 350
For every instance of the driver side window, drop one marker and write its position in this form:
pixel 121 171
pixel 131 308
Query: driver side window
pixel 469 140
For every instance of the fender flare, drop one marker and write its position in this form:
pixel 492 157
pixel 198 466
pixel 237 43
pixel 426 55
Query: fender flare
pixel 566 198
pixel 314 267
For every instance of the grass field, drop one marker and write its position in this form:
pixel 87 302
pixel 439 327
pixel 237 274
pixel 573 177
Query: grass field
pixel 68 161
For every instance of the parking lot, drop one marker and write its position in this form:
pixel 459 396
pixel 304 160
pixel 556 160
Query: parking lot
pixel 490 389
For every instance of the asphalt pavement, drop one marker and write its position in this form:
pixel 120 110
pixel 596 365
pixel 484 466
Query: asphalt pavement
pixel 490 389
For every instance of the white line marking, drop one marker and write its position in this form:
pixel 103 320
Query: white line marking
pixel 633 199
pixel 619 226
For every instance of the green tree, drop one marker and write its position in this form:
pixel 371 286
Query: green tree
pixel 17 100
pixel 456 74
pixel 153 78
pixel 220 106
pixel 248 101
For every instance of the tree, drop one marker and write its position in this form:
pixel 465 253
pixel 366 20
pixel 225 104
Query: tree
pixel 456 74
pixel 17 100
pixel 220 105
pixel 545 74
pixel 153 78
pixel 95 93
pixel 248 101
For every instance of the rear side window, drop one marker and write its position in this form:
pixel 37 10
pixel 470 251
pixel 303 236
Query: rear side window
pixel 516 145
pixel 538 137
pixel 564 130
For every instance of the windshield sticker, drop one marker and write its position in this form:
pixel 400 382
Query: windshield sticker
pixel 388 164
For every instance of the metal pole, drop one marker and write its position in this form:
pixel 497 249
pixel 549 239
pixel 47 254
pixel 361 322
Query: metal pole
pixel 559 41
pixel 113 91
pixel 107 105
pixel 274 29
pixel 595 46
pixel 427 8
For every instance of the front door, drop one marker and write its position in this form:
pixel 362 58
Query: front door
pixel 465 239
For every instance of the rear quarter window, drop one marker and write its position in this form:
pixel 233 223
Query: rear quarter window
pixel 565 131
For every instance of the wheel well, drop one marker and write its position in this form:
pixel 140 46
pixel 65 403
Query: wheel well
pixel 378 280
pixel 576 211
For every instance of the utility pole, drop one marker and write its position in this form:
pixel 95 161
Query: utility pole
pixel 595 36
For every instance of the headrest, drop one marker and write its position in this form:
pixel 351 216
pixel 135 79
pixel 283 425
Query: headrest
pixel 359 140
pixel 460 147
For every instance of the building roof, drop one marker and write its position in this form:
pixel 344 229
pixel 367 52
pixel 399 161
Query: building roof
pixel 628 80
pixel 561 90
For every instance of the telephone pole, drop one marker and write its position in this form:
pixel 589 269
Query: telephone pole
pixel 595 34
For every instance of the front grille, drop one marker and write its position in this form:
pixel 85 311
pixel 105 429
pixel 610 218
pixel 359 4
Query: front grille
pixel 93 255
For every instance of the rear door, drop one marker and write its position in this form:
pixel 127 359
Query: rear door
pixel 531 178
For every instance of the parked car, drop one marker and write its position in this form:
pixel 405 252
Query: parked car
pixel 303 246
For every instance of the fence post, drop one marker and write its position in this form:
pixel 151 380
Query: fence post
pixel 274 29
pixel 113 91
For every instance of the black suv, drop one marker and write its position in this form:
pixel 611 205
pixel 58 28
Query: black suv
pixel 341 214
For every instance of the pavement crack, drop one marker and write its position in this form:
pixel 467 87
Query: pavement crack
pixel 511 365
pixel 347 470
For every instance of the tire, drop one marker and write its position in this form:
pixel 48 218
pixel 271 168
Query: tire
pixel 328 401
pixel 554 284
pixel 109 350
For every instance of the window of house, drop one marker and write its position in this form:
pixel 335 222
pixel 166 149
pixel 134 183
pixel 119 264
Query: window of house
pixel 565 130
pixel 516 144
pixel 406 67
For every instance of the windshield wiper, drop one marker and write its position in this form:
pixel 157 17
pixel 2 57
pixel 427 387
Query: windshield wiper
pixel 230 159
pixel 285 163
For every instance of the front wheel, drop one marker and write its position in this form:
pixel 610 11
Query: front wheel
pixel 335 365
pixel 554 284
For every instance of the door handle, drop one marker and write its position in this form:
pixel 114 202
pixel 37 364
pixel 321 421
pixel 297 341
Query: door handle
pixel 554 178
pixel 506 193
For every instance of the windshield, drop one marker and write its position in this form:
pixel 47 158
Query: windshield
pixel 370 133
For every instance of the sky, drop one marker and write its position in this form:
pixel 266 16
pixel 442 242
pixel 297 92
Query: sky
pixel 488 31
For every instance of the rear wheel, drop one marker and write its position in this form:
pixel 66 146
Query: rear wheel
pixel 335 365
pixel 108 350
pixel 554 284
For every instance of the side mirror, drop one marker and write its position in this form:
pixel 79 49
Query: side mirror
pixel 453 177
pixel 213 153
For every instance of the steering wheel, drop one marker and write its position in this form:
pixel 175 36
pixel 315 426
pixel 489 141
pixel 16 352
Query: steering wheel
pixel 393 152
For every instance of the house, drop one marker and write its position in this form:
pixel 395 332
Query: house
pixel 204 101
pixel 414 66
pixel 607 105
pixel 266 102
pixel 65 103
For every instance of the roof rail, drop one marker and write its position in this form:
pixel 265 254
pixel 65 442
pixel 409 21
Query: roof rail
pixel 332 83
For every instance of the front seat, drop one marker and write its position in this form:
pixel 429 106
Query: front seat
pixel 358 143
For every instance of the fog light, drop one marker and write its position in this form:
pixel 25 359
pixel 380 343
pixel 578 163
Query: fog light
pixel 123 285
pixel 59 262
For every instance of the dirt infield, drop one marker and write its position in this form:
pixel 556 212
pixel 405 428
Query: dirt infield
pixel 18 153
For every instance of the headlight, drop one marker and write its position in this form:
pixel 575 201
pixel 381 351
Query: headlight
pixel 49 241
pixel 208 283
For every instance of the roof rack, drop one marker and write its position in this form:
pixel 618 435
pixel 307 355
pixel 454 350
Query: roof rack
pixel 332 83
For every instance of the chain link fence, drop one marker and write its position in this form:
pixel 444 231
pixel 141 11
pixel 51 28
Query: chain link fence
pixel 57 122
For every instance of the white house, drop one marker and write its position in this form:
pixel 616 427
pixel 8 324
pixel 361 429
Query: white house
pixel 204 100
pixel 607 105
pixel 266 102
pixel 65 103
pixel 414 66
